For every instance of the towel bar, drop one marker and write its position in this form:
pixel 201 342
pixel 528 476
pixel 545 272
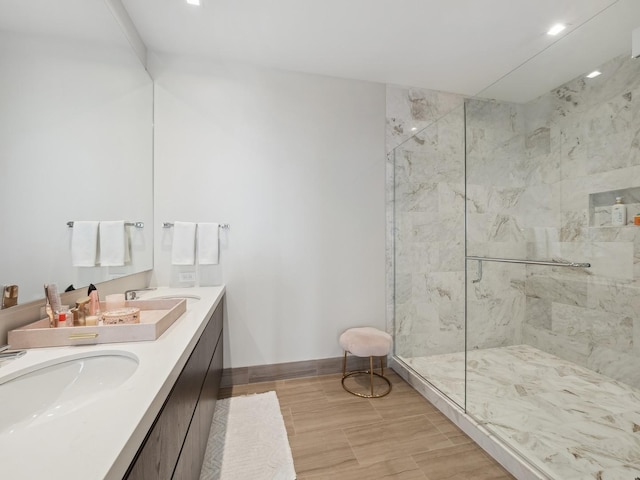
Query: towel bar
pixel 126 224
pixel 170 224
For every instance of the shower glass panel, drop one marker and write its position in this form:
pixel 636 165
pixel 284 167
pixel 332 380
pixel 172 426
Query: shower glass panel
pixel 429 246
pixel 553 349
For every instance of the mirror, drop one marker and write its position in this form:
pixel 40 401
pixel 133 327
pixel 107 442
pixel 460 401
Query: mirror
pixel 76 122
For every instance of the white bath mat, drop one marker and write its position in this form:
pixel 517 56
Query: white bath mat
pixel 248 441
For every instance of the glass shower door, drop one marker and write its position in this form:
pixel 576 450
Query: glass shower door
pixel 429 253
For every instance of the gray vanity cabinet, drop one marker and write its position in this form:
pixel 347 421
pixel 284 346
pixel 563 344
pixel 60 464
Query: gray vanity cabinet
pixel 174 447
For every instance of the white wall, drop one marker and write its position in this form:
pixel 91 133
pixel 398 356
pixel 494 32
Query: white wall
pixel 296 164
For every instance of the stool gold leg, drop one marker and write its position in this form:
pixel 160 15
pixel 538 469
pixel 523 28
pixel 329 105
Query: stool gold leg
pixel 344 365
pixel 371 373
pixel 382 366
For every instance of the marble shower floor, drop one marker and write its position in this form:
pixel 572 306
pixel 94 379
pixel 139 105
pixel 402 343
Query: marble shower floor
pixel 570 422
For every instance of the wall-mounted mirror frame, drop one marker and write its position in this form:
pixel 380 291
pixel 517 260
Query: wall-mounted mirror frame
pixel 76 141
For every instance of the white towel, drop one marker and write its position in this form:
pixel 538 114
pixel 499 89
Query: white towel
pixel 183 251
pixel 112 243
pixel 84 244
pixel 208 252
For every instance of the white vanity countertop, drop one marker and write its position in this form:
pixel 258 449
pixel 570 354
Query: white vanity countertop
pixel 100 440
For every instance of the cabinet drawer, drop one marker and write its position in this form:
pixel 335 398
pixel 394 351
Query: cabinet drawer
pixel 190 462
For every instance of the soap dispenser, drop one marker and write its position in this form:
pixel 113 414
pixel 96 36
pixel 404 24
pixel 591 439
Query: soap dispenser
pixel 619 213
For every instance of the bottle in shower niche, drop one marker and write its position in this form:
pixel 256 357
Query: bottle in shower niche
pixel 619 213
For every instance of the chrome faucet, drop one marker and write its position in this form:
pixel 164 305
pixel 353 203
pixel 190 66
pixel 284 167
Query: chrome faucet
pixel 134 294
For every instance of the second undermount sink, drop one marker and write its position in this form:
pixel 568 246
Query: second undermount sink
pixel 52 391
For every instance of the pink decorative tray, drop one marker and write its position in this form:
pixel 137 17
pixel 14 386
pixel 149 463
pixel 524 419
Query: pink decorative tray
pixel 156 316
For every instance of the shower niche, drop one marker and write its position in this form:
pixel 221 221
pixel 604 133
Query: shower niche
pixel 600 205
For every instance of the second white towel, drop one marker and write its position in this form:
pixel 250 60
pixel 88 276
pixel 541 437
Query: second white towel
pixel 184 241
pixel 208 250
pixel 112 243
pixel 84 244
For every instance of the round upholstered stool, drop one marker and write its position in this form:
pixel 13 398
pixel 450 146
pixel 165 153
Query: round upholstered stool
pixel 366 342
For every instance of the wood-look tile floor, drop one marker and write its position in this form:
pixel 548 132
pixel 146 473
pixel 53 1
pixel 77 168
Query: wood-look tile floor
pixel 337 436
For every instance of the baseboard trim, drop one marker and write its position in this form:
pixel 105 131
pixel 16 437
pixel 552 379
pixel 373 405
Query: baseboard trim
pixel 285 371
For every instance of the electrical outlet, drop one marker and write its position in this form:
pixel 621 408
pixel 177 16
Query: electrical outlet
pixel 186 277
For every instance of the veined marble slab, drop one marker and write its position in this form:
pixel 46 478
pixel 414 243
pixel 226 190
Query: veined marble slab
pixel 568 421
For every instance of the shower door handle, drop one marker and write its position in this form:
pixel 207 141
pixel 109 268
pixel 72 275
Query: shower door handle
pixel 550 263
pixel 525 262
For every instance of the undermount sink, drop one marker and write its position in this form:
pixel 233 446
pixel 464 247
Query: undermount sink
pixel 52 391
pixel 189 298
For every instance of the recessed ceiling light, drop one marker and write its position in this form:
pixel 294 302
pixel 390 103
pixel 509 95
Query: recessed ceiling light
pixel 194 2
pixel 556 29
pixel 594 74
pixel 413 129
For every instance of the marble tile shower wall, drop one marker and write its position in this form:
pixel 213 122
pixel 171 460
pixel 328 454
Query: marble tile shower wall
pixel 591 316
pixel 530 169
pixel 502 203
pixel 428 182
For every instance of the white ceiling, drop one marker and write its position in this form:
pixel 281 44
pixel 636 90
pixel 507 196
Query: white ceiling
pixel 458 46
